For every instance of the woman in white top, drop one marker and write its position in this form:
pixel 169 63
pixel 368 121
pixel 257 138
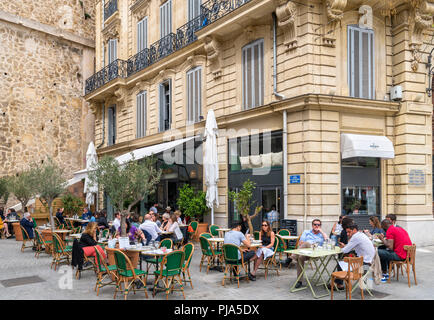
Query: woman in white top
pixel 174 227
pixel 336 230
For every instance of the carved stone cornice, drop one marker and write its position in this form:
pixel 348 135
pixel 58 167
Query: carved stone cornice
pixel 112 30
pixel 140 9
pixel 335 12
pixel 214 56
pixel 120 96
pixel 286 15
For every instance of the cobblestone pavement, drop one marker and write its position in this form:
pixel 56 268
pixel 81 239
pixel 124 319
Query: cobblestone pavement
pixel 16 264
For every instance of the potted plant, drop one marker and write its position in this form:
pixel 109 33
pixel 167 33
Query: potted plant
pixel 72 204
pixel 192 203
pixel 355 206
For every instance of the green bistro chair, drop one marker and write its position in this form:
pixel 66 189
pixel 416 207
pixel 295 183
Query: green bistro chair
pixel 213 230
pixel 270 263
pixel 194 225
pixel 61 253
pixel 206 235
pixel 104 271
pixel 127 274
pixel 281 247
pixel 256 235
pixel 188 254
pixel 208 253
pixel 105 233
pixel 41 244
pixel 171 268
pixel 26 238
pixel 167 243
pixel 233 264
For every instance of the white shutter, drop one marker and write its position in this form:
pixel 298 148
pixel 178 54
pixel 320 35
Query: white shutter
pixel 142 34
pixel 112 50
pixel 165 18
pixel 141 114
pixel 194 95
pixel 193 9
pixel 111 125
pixel 253 74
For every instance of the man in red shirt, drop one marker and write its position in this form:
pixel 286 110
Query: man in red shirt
pixel 396 239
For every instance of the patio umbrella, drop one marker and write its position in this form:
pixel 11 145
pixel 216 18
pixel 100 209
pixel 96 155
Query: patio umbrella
pixel 91 159
pixel 211 166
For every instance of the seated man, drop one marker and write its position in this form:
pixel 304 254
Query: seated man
pixel 236 237
pixel 27 223
pixel 392 219
pixel 309 237
pixel 396 239
pixel 360 243
pixel 59 215
pixel 116 222
pixel 150 227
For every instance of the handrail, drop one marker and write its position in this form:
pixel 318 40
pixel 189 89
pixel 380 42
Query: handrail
pixel 116 69
pixel 110 8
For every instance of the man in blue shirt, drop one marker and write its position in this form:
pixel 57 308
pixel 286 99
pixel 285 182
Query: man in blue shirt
pixel 309 237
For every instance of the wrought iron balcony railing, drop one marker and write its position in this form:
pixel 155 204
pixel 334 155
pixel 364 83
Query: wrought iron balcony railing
pixel 110 8
pixel 213 10
pixel 187 33
pixel 116 69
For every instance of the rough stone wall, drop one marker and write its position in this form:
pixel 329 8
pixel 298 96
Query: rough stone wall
pixel 64 14
pixel 40 104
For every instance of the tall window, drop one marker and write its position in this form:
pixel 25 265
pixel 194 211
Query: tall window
pixel 111 125
pixel 165 105
pixel 165 18
pixel 361 70
pixel 142 34
pixel 141 114
pixel 253 74
pixel 193 9
pixel 112 50
pixel 194 94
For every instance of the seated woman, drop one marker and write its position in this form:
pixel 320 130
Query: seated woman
pixel 174 227
pixel 179 217
pixel 101 220
pixel 268 237
pixel 165 225
pixel 88 241
pixel 336 230
pixel 133 233
pixel 4 229
pixel 376 227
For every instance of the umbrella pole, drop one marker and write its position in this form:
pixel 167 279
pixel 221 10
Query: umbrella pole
pixel 212 214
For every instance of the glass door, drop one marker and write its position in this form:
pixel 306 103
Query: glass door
pixel 270 201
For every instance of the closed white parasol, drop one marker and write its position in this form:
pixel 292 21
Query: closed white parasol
pixel 91 160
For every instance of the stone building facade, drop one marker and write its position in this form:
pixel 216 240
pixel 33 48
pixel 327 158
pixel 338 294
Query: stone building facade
pixel 318 99
pixel 46 53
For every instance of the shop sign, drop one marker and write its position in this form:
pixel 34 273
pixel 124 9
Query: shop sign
pixel 416 178
pixel 294 179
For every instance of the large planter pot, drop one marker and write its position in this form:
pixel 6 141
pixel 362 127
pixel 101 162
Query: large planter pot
pixel 201 227
pixel 17 231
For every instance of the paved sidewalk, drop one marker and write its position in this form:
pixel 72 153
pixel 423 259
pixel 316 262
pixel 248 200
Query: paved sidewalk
pixel 15 264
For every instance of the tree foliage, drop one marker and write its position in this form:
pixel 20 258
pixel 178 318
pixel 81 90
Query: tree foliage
pixel 127 183
pixel 243 201
pixel 23 186
pixel 5 188
pixel 192 203
pixel 72 204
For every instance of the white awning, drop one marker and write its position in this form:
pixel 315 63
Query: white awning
pixel 363 145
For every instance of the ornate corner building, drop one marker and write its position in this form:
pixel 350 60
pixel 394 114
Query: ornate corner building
pixel 296 86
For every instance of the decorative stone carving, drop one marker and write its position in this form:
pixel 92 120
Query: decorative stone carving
pixel 286 16
pixel 335 13
pixel 212 48
pixel 120 95
pixel 112 30
pixel 140 9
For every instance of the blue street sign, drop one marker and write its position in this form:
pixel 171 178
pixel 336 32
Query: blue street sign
pixel 294 179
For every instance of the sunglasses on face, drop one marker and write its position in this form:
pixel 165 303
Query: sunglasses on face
pixel 317 225
pixel 265 225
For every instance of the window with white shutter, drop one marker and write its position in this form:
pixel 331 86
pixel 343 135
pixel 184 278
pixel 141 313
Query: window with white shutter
pixel 193 9
pixel 142 34
pixel 165 105
pixel 253 74
pixel 361 71
pixel 141 114
pixel 112 50
pixel 165 18
pixel 111 125
pixel 194 95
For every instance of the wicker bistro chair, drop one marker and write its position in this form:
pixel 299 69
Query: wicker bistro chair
pixel 93 266
pixel 233 264
pixel 407 263
pixel 26 238
pixel 188 255
pixel 270 263
pixel 40 243
pixel 213 230
pixel 256 235
pixel 206 235
pixel 170 270
pixel 61 253
pixel 194 225
pixel 127 274
pixel 354 273
pixel 208 253
pixel 167 243
pixel 104 271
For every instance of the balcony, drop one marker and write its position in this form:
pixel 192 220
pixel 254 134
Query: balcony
pixel 110 8
pixel 116 69
pixel 211 11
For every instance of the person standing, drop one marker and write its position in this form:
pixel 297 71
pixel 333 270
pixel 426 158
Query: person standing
pixel 273 217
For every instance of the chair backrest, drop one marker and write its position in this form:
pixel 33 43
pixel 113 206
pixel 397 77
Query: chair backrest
pixel 296 243
pixel 281 244
pixel 205 246
pixel 188 249
pixel 355 266
pixel 123 263
pixel 256 235
pixel 411 253
pixel 277 243
pixel 194 225
pixel 168 243
pixel 230 253
pixel 57 222
pixel 100 261
pixel 24 232
pixel 38 237
pixel 284 232
pixel 105 233
pixel 213 230
pixel 58 243
pixel 206 235
pixel 173 261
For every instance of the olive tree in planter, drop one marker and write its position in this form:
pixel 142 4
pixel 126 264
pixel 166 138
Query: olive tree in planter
pixel 72 204
pixel 23 186
pixel 243 202
pixel 192 203
pixel 126 184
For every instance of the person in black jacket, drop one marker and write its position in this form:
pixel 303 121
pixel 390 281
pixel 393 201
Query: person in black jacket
pixel 102 220
pixel 28 224
pixel 88 241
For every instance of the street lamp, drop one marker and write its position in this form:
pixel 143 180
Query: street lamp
pixel 430 72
